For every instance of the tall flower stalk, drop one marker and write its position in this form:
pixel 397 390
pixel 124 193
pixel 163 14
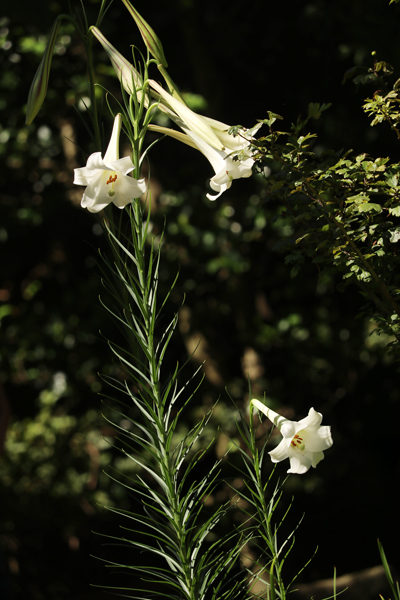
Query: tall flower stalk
pixel 172 515
pixel 261 518
pixel 172 499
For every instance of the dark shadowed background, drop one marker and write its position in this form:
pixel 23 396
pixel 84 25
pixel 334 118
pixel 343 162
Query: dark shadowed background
pixel 296 339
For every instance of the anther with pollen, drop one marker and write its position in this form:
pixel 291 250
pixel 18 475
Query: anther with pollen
pixel 111 179
pixel 297 440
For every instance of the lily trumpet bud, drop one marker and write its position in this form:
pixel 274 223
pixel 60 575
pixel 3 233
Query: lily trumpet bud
pixel 149 37
pixel 190 119
pixel 127 74
pixel 38 90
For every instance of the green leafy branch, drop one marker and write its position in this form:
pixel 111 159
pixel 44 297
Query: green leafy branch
pixel 344 211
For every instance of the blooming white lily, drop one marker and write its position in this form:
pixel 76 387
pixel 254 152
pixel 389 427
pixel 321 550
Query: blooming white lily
pixel 303 441
pixel 211 137
pixel 106 179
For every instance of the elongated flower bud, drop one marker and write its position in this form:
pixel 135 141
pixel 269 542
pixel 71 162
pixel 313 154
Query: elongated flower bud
pixel 149 37
pixel 38 90
pixel 182 137
pixel 127 74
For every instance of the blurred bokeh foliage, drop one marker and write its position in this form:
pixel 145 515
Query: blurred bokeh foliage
pixel 297 340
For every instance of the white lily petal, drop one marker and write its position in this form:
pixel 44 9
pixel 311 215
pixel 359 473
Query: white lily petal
pixel 82 176
pixel 319 440
pixel 288 429
pixel 96 192
pixel 220 188
pixel 299 464
pixel 225 168
pixel 215 157
pixel 313 419
pixel 123 165
pixel 95 162
pixel 215 196
pixel 112 152
pixel 316 458
pixel 230 142
pixel 96 207
pixel 280 452
pixel 128 189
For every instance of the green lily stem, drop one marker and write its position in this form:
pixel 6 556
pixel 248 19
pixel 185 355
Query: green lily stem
pixel 92 90
pixel 143 267
pixel 173 88
pixel 166 463
pixel 265 521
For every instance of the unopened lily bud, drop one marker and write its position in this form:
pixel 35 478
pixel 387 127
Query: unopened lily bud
pixel 149 37
pixel 38 90
pixel 127 74
pixel 181 137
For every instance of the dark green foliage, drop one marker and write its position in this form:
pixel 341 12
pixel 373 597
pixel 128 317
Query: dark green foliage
pixel 343 210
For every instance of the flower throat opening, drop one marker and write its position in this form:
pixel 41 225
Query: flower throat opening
pixel 111 180
pixel 297 441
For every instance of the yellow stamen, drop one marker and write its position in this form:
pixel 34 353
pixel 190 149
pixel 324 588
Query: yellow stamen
pixel 111 180
pixel 297 442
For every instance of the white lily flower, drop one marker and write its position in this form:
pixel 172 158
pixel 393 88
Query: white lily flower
pixel 304 441
pixel 211 137
pixel 106 179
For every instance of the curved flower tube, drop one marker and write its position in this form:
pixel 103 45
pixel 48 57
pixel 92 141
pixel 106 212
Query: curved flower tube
pixel 304 441
pixel 183 115
pixel 106 179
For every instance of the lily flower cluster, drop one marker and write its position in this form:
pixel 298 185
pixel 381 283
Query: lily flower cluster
pixel 304 441
pixel 230 157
